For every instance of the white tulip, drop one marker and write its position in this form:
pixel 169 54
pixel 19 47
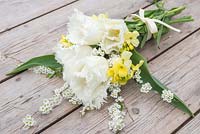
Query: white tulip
pixel 113 38
pixel 86 74
pixel 84 30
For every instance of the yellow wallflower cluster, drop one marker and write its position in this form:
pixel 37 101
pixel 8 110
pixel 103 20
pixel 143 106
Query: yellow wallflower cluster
pixel 65 42
pixel 123 69
pixel 130 41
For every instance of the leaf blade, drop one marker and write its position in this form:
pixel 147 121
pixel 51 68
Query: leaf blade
pixel 46 60
pixel 156 84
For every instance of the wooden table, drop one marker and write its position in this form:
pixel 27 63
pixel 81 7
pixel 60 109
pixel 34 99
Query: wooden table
pixel 31 28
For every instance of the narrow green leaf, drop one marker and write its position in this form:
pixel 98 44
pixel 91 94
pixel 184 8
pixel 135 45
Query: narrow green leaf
pixel 176 99
pixel 144 39
pixel 174 11
pixel 181 20
pixel 159 34
pixel 46 60
pixel 157 85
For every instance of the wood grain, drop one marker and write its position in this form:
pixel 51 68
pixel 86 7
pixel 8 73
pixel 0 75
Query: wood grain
pixel 147 113
pixel 23 94
pixel 16 12
pixel 192 127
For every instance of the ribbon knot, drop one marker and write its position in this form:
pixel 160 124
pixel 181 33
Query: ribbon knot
pixel 151 24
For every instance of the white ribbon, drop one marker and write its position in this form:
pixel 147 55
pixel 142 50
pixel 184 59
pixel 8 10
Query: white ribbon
pixel 151 24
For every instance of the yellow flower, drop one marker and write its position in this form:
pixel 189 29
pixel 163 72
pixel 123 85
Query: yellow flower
pixel 65 42
pixel 120 69
pixel 123 69
pixel 118 72
pixel 130 41
pixel 100 16
pixel 136 67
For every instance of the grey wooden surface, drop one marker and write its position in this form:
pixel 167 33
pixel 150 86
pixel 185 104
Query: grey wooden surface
pixel 32 28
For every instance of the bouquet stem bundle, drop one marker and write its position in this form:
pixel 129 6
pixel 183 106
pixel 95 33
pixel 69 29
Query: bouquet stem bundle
pixel 161 14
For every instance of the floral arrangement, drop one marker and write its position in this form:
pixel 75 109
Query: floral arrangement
pixel 98 55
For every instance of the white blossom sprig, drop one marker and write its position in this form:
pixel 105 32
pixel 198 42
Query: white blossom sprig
pixel 28 121
pixel 167 96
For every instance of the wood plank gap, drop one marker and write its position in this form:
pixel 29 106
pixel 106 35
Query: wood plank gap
pixel 167 49
pixel 60 118
pixel 8 29
pixel 186 122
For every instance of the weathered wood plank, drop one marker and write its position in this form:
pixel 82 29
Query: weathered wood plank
pixel 38 37
pixel 20 44
pixel 29 47
pixel 147 113
pixel 16 12
pixel 24 95
pixel 192 127
pixel 41 34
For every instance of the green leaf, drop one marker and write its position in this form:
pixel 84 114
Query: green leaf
pixel 144 39
pixel 159 34
pixel 46 60
pixel 174 11
pixel 156 84
pixel 181 20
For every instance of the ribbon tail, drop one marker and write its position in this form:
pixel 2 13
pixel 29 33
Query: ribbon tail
pixel 165 24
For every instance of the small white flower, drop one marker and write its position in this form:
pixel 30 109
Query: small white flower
pixel 75 100
pixel 59 90
pixel 55 100
pixel 146 87
pixel 117 116
pixel 167 96
pixel 67 94
pixel 28 121
pixel 114 90
pixel 98 52
pixel 46 107
pixel 119 99
pixel 137 76
pixel 42 70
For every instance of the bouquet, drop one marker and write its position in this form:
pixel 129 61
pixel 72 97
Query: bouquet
pixel 98 55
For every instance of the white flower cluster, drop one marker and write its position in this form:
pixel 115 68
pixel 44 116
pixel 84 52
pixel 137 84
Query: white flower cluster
pixel 112 59
pixel 42 70
pixel 28 121
pixel 58 91
pixel 116 123
pixel 98 52
pixel 137 76
pixel 49 104
pixel 167 96
pixel 146 87
pixel 119 99
pixel 114 90
pixel 59 94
